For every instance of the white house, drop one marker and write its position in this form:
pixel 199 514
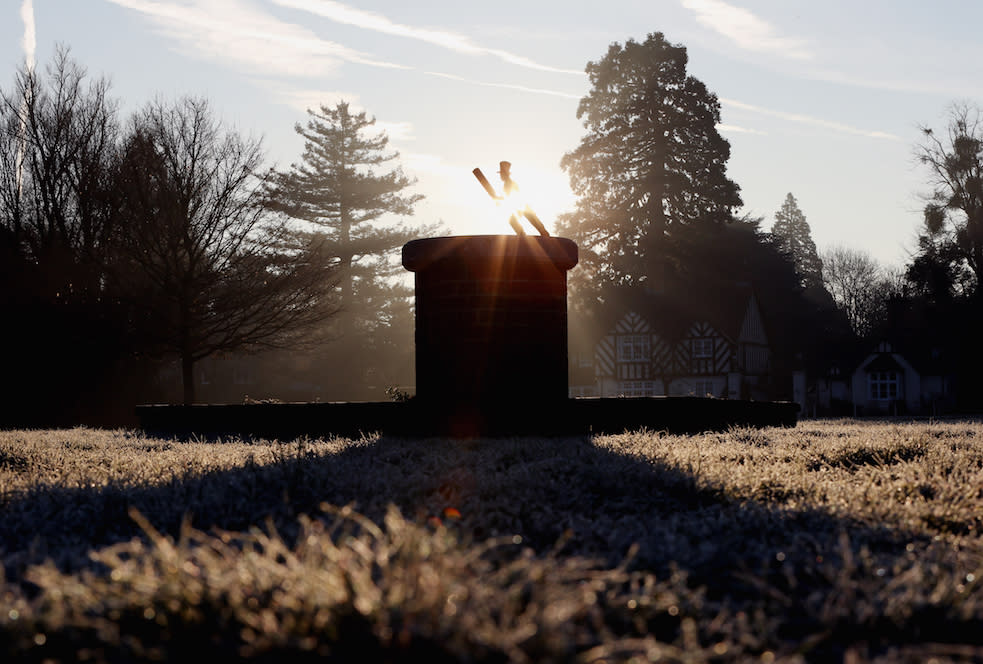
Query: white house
pixel 885 381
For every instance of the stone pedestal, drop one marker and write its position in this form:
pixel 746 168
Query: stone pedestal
pixel 491 327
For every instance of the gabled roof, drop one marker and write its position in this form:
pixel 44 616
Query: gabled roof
pixel 935 360
pixel 670 315
pixel 883 362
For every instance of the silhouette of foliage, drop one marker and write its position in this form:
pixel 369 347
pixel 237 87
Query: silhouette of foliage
pixel 651 161
pixel 712 262
pixel 950 247
pixel 792 231
pixel 338 191
pixel 59 140
pixel 940 306
pixel 58 137
pixel 860 286
pixel 344 197
pixel 203 267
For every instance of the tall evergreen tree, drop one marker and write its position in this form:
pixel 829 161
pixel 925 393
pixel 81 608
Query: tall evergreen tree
pixel 337 188
pixel 794 237
pixel 348 188
pixel 652 159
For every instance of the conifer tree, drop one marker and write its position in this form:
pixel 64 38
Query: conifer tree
pixel 339 190
pixel 652 160
pixel 351 192
pixel 791 230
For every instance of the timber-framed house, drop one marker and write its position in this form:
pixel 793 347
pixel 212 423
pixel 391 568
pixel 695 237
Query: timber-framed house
pixel 654 345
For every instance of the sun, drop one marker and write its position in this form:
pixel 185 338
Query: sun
pixel 457 201
pixel 543 190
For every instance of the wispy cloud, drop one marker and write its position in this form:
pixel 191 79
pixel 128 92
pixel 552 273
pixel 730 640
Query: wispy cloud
pixel 398 132
pixel 745 29
pixel 811 121
pixel 236 33
pixel 302 99
pixel 30 38
pixel 232 31
pixel 341 13
pixel 313 99
pixel 507 86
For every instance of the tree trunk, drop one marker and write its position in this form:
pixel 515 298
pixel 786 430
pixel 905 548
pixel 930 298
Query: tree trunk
pixel 188 378
pixel 655 234
pixel 347 281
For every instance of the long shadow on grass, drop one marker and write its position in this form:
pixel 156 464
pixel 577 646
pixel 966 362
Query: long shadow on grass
pixel 570 492
pixel 596 501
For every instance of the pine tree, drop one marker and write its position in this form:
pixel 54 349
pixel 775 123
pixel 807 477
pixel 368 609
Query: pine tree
pixel 338 190
pixel 347 188
pixel 794 237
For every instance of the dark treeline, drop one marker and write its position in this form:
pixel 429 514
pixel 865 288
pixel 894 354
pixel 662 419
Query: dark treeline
pixel 656 210
pixel 933 305
pixel 656 213
pixel 133 250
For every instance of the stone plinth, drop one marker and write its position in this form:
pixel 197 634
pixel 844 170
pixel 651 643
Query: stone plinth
pixel 491 323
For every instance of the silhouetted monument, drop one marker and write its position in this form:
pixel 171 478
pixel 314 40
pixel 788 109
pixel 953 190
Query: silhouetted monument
pixel 491 328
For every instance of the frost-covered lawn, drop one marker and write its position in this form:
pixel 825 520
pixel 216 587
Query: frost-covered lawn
pixel 833 541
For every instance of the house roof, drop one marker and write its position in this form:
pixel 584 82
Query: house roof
pixel 931 359
pixel 669 315
pixel 884 362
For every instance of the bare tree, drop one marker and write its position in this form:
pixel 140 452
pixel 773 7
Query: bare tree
pixel 59 137
pixel 59 140
pixel 207 268
pixel 859 285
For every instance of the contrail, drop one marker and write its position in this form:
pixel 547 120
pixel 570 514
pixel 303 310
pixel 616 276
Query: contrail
pixel 348 15
pixel 507 86
pixel 30 42
pixel 810 120
pixel 30 46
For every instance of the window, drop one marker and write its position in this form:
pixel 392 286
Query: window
pixel 702 348
pixel 702 388
pixel 583 391
pixel 883 385
pixel 701 359
pixel 637 388
pixel 633 348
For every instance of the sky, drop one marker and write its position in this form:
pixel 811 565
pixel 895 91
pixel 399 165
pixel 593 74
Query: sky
pixel 823 100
